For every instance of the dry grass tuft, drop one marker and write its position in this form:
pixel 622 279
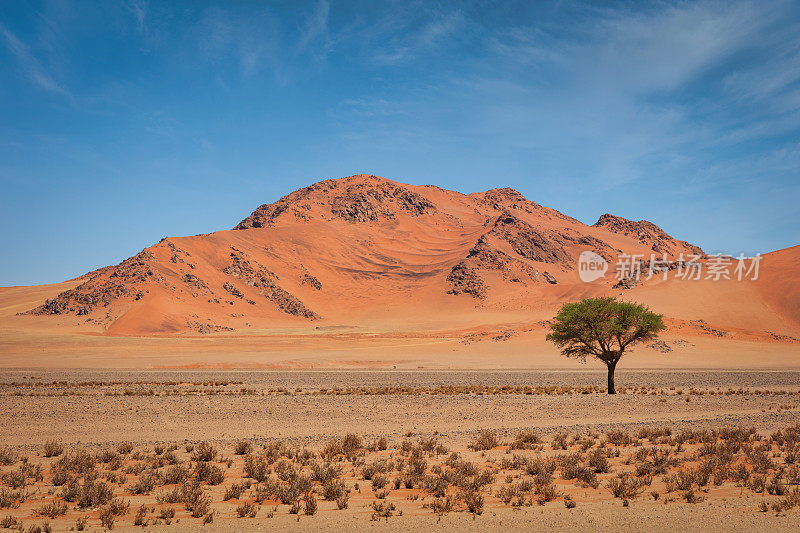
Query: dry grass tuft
pixel 485 441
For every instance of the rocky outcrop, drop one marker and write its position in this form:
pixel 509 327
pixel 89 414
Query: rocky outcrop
pixel 357 199
pixel 266 214
pixel 647 234
pixel 464 280
pixel 178 255
pixel 105 287
pixel 382 201
pixel 355 207
pixel 486 257
pixel 194 281
pixel 206 327
pixel 308 279
pixel 241 268
pixel 258 276
pixel 627 282
pixel 505 198
pixel 287 302
pixel 530 243
pixel 232 290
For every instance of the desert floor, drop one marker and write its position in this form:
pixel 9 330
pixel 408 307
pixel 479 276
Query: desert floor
pixel 295 419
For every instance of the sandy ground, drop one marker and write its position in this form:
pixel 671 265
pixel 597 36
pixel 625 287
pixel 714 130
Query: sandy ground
pixel 97 410
pixel 92 407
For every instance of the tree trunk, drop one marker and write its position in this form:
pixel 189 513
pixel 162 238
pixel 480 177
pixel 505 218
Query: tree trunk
pixel 611 367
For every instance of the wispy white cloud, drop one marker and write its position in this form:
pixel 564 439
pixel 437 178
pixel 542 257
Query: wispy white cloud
pixel 314 34
pixel 260 43
pixel 29 64
pixel 138 8
pixel 405 39
pixel 613 88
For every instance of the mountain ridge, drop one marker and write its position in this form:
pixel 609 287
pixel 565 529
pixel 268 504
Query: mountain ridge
pixel 353 249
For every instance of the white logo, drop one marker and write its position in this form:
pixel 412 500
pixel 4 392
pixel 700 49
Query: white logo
pixel 591 266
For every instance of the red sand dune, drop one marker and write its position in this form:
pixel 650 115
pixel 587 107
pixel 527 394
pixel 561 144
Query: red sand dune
pixel 385 258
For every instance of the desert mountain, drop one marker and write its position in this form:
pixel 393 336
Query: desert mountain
pixel 366 250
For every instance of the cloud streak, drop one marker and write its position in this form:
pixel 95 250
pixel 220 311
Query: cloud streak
pixel 29 64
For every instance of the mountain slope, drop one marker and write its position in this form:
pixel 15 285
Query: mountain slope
pixel 366 250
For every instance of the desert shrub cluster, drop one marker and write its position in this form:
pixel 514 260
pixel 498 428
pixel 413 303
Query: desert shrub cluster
pixel 199 481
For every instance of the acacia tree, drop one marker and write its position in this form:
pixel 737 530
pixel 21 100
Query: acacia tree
pixel 603 328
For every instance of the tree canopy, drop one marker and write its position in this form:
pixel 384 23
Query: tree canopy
pixel 603 328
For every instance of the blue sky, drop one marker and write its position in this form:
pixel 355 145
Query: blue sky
pixel 124 122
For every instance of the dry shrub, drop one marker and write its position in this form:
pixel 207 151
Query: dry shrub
pixel 310 501
pixel 175 475
pixel 297 487
pixel 255 468
pixel 15 479
pixel 508 493
pixel 546 493
pixel 626 486
pixel 107 518
pixel 378 467
pixel 78 462
pixel 757 483
pixel 382 509
pixel 53 448
pixel 442 506
pixel 194 500
pixel 10 498
pixel 474 501
pixel 525 440
pixel 692 497
pixel 791 500
pixel 436 485
pixel 599 461
pixel 351 444
pixel 379 481
pixel 776 486
pixel 325 472
pixel 124 448
pixel 243 447
pixel 107 456
pixel 209 473
pixel 145 484
pixel 619 438
pixel 8 456
pixel 584 475
pixel 204 452
pixel 92 493
pixel 793 476
pixel 247 509
pixel 54 509
pixel 343 500
pixel 560 441
pixel 9 522
pixel 485 441
pixel 654 434
pixel 333 489
pixel 141 516
pixel 235 490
